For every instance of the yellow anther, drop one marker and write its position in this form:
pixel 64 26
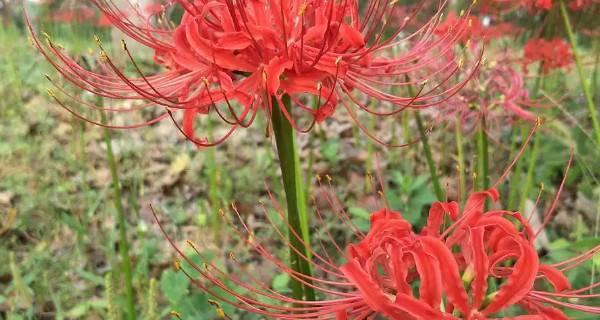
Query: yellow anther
pixel 177 265
pixel 51 93
pixel 328 178
pixel 462 12
pixel 338 60
pixel 318 177
pixel 191 244
pixel 393 2
pixel 264 75
pixel 232 256
pixel 218 309
pixel 302 9
pixel 538 121
pixel 123 45
pixel 319 86
pixel 97 39
pixel 175 314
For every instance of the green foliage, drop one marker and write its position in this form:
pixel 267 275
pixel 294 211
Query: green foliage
pixel 410 195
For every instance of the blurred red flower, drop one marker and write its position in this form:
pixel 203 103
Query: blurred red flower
pixel 477 30
pixel 551 54
pixel 236 58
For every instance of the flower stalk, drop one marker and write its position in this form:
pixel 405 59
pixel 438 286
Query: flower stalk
pixel 295 199
pixel 584 84
pixel 437 188
pixel 482 157
pixel 123 243
pixel 214 171
pixel 460 158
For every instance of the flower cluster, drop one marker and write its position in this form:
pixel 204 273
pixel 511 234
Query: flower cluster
pixel 479 29
pixel 497 93
pixel 552 54
pixel 481 265
pixel 238 58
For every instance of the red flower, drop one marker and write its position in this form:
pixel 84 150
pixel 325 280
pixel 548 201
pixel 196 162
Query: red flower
pixel 235 58
pixel 552 54
pixel 393 271
pixel 476 29
pixel 497 93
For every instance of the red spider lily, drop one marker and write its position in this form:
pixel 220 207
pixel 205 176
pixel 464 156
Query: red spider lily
pixel 69 15
pixel 236 58
pixel 478 30
pixel 552 54
pixel 534 6
pixel 497 93
pixel 438 273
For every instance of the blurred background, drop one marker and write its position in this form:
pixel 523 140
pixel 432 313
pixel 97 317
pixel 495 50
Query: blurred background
pixel 58 236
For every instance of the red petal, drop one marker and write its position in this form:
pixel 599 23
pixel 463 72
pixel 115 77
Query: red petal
pixel 430 290
pixel 480 266
pixel 436 216
pixel 274 70
pixel 520 282
pixel 452 282
pixel 556 278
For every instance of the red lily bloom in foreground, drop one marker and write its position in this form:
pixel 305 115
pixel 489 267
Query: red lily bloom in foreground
pixel 236 58
pixel 392 271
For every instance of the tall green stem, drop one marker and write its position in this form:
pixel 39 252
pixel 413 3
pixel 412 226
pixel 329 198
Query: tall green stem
pixel 482 158
pixel 437 188
pixel 515 185
pixel 294 193
pixel 214 171
pixel 460 157
pixel 123 244
pixel 530 170
pixel 584 85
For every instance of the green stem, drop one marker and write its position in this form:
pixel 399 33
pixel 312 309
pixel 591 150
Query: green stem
pixel 596 70
pixel 294 192
pixel 460 157
pixel 123 244
pixel 515 184
pixel 213 192
pixel 437 188
pixel 482 158
pixel 530 170
pixel 584 85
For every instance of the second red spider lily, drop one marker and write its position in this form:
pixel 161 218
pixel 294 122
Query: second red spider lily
pixel 551 54
pixel 483 265
pixel 234 59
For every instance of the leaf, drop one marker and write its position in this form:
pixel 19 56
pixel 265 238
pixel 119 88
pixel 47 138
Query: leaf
pixel 330 149
pixel 174 285
pixel 179 164
pixel 280 282
pixel 360 213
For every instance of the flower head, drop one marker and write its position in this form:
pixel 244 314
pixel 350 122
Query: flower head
pixel 478 266
pixel 497 93
pixel 236 58
pixel 551 54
